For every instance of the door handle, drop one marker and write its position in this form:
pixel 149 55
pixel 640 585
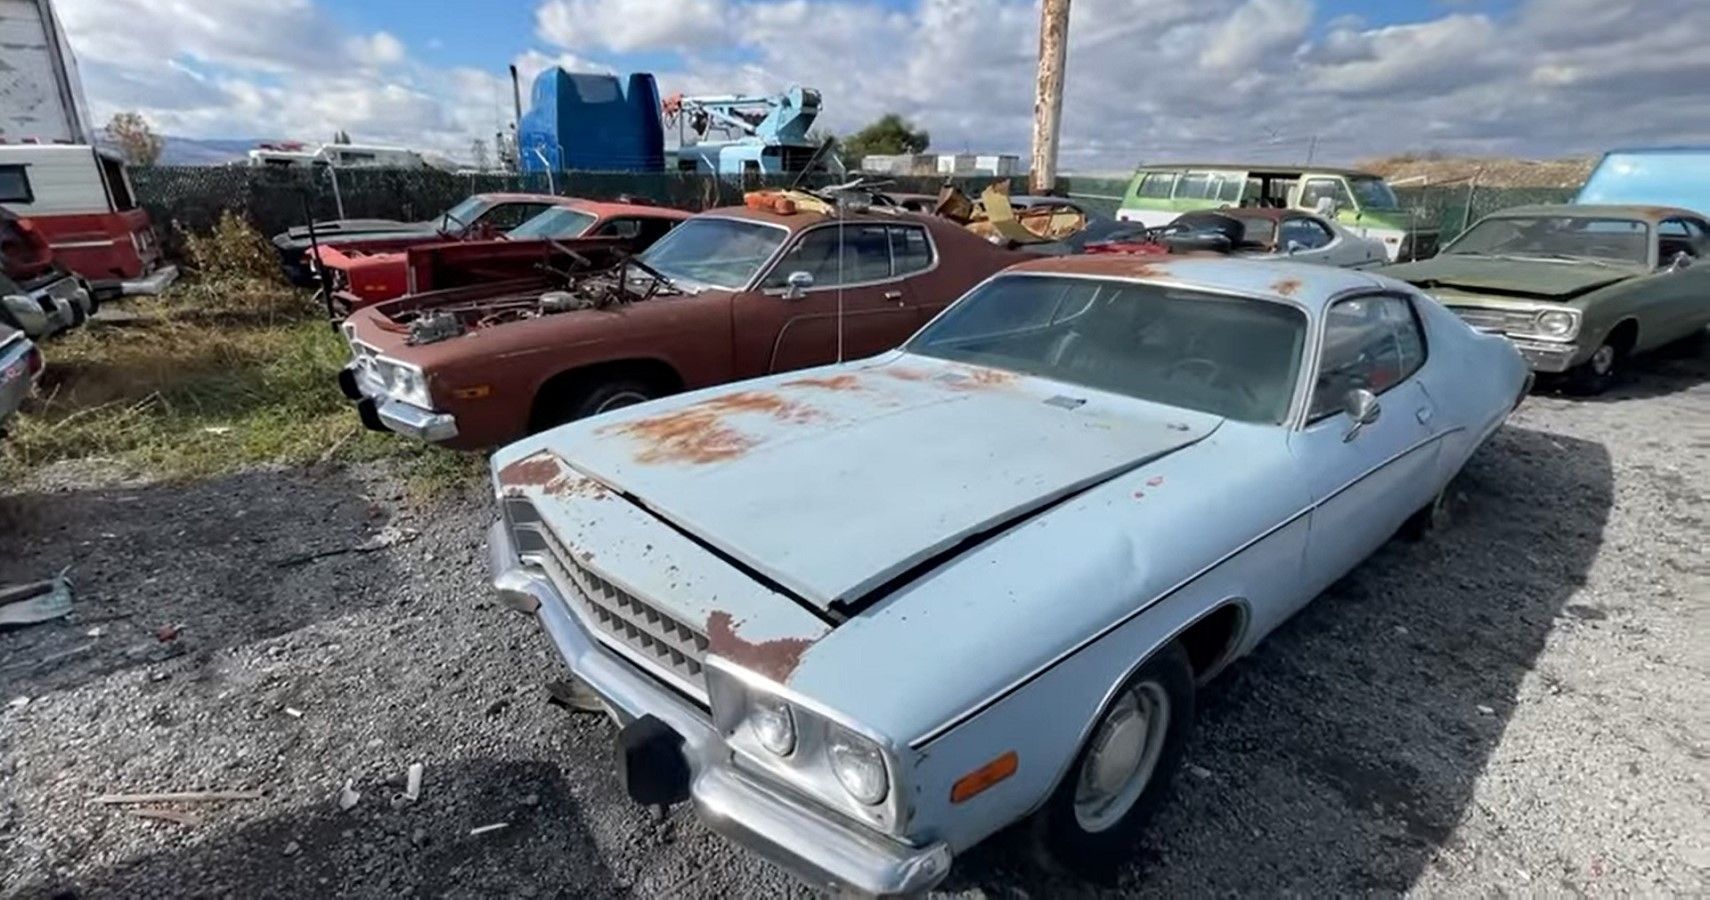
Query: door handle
pixel 895 296
pixel 1424 415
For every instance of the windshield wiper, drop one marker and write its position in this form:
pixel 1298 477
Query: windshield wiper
pixel 663 279
pixel 1568 257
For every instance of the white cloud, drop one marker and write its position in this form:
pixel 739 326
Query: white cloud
pixel 1147 79
pixel 632 24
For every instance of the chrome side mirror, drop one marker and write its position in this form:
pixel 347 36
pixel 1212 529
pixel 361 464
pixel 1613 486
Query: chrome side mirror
pixel 797 284
pixel 1295 247
pixel 1681 260
pixel 1362 407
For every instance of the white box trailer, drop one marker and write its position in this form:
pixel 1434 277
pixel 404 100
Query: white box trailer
pixel 41 93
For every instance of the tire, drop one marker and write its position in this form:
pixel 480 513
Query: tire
pixel 591 399
pixel 1078 832
pixel 1595 375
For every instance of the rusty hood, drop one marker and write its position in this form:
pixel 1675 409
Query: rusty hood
pixel 835 482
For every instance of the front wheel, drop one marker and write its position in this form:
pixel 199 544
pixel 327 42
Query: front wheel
pixel 592 399
pixel 1595 375
pixel 1091 821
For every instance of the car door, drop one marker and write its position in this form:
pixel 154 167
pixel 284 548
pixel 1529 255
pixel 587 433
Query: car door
pixel 855 306
pixel 1683 282
pixel 1365 481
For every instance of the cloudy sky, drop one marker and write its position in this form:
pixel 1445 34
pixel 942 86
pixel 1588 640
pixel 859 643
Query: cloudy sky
pixel 1147 78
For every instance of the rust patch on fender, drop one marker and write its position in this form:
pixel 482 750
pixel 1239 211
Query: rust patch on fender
pixel 776 659
pixel 585 488
pixel 531 471
pixel 698 434
pixel 1148 270
pixel 906 374
pixel 1287 287
pixel 832 383
pixel 972 379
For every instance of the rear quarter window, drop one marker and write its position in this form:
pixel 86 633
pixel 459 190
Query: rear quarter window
pixel 15 185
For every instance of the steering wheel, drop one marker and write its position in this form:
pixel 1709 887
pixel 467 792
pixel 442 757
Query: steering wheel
pixel 1210 369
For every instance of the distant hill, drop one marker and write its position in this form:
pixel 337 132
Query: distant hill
pixel 182 151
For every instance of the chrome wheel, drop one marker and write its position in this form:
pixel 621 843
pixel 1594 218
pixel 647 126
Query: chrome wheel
pixel 1122 756
pixel 1603 360
pixel 620 400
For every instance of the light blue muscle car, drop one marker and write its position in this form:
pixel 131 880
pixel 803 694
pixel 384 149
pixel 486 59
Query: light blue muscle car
pixel 865 616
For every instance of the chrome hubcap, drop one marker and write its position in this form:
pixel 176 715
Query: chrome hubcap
pixel 1603 360
pixel 1122 756
pixel 621 400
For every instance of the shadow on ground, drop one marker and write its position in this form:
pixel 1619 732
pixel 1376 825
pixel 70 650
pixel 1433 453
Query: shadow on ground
pixel 176 569
pixel 1339 757
pixel 375 850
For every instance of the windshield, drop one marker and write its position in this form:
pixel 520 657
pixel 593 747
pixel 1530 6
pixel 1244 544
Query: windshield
pixel 460 217
pixel 1557 237
pixel 557 222
pixel 1228 356
pixel 720 253
pixel 1373 193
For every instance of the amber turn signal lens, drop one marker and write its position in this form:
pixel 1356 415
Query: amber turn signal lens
pixel 472 393
pixel 984 777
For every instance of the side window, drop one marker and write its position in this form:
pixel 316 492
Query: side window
pixel 1677 236
pixel 1157 185
pixel 910 250
pixel 1371 343
pixel 1229 191
pixel 15 185
pixel 506 216
pixel 1333 188
pixel 1304 232
pixel 1193 186
pixel 117 184
pixel 654 229
pixel 865 256
pixel 623 228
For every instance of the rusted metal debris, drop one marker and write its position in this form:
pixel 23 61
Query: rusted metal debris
pixel 36 602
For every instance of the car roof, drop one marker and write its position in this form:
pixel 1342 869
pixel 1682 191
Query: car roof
pixel 515 197
pixel 801 219
pixel 1611 211
pixel 1254 169
pixel 1306 284
pixel 606 209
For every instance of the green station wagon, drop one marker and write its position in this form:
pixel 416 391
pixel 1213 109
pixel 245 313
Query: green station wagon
pixel 1576 288
pixel 1361 201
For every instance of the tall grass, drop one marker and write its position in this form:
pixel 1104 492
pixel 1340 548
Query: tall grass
pixel 231 369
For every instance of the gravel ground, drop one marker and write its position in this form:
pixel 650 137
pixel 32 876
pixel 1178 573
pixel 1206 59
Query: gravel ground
pixel 1520 704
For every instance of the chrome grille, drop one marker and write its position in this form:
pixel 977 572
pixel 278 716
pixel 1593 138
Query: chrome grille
pixel 1495 319
pixel 670 647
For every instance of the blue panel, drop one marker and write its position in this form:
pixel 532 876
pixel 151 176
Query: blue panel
pixel 582 122
pixel 1663 177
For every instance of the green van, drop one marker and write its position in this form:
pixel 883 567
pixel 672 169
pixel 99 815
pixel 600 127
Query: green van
pixel 1361 201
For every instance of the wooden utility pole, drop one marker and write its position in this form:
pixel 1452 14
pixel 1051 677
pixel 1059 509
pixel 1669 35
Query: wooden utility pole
pixel 1048 100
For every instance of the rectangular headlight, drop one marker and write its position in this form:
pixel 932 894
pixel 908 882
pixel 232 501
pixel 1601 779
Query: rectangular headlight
pixel 405 382
pixel 790 739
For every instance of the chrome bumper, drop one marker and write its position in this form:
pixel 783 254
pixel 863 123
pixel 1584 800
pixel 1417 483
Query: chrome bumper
pixel 790 832
pixel 152 283
pixel 411 421
pixel 1546 356
pixel 396 415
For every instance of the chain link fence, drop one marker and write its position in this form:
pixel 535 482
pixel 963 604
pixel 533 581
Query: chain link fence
pixel 190 199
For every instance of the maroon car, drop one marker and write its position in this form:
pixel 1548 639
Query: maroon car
pixel 729 294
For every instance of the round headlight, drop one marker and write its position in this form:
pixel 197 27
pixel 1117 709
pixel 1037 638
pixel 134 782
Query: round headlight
pixel 773 724
pixel 859 766
pixel 1556 323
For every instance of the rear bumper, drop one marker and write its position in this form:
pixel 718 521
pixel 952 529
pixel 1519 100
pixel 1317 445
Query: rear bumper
pixel 791 832
pixel 49 308
pixel 152 283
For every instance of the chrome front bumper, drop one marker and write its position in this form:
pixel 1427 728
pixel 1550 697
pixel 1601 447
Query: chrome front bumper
pixel 789 831
pixel 152 283
pixel 1546 356
pixel 396 415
